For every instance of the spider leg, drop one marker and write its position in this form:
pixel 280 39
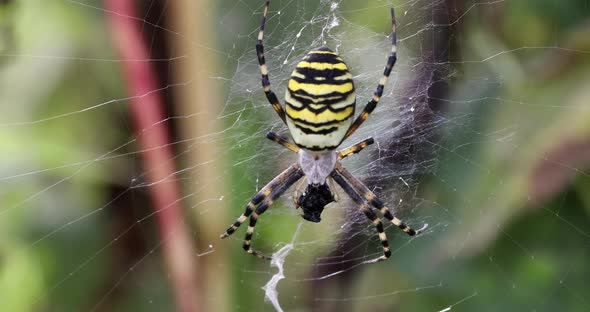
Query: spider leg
pixel 280 189
pixel 266 191
pixel 372 198
pixel 379 91
pixel 282 141
pixel 366 209
pixel 355 148
pixel 270 95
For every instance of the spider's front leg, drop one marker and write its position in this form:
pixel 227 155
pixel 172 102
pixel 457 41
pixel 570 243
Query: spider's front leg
pixel 264 199
pixel 354 188
pixel 368 212
pixel 372 198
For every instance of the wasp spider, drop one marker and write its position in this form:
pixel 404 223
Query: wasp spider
pixel 319 112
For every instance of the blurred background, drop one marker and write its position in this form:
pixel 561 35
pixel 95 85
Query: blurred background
pixel 132 133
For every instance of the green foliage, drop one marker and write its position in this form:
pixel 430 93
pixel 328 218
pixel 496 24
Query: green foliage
pixel 508 203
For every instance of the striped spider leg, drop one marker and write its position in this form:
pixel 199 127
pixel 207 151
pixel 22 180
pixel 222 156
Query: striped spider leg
pixel 270 95
pixel 379 91
pixel 260 202
pixel 353 149
pixel 362 196
pixel 368 212
pixel 356 148
pixel 354 188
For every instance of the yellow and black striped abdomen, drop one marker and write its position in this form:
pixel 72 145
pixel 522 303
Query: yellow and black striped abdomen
pixel 320 101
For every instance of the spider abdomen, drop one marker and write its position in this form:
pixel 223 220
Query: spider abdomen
pixel 320 101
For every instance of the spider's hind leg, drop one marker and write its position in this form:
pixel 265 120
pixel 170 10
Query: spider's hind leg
pixel 270 95
pixel 379 91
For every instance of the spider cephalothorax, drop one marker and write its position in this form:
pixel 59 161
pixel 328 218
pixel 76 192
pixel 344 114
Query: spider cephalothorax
pixel 319 112
pixel 317 167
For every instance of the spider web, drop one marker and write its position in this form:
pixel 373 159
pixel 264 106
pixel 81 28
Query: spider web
pixel 481 133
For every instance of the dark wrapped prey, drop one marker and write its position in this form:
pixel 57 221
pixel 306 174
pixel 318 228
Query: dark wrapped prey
pixel 313 200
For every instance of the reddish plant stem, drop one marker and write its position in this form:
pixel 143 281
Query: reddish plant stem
pixel 146 110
